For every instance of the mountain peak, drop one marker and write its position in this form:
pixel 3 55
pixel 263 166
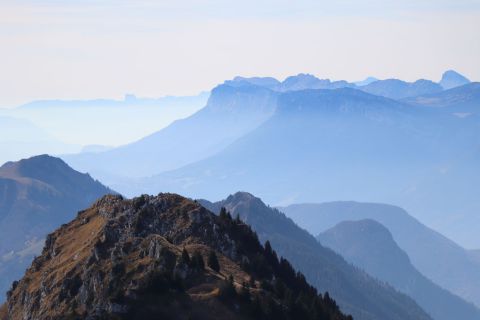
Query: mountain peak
pixel 49 170
pixel 451 79
pixel 267 82
pixel 368 230
pixel 370 246
pixel 243 196
pixel 31 166
pixel 160 256
pixel 303 81
pixel 399 89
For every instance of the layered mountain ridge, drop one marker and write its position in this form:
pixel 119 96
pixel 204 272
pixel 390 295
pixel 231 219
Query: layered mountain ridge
pixel 356 292
pixel 230 113
pixel 371 247
pixel 435 256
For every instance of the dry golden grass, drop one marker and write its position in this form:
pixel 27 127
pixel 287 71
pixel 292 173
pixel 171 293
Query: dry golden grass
pixel 3 312
pixel 74 245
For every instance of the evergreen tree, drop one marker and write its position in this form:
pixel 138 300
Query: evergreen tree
pixel 227 289
pixel 237 219
pixel 197 261
pixel 185 258
pixel 252 282
pixel 225 215
pixel 213 261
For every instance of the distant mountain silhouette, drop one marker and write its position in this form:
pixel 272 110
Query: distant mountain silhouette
pixel 404 153
pixel 345 144
pixel 435 256
pixel 462 101
pixel 398 89
pixel 267 82
pixel 366 81
pixel 20 138
pixel 304 81
pixel 451 79
pixel 230 113
pixel 370 246
pixel 106 119
pixel 357 293
pixel 36 196
pixel 301 81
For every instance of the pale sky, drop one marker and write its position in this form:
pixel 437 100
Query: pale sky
pixel 72 49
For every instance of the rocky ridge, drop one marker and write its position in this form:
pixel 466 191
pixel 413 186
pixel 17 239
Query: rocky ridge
pixel 131 259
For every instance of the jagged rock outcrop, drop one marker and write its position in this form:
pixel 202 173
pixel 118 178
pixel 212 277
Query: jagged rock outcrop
pixel 129 259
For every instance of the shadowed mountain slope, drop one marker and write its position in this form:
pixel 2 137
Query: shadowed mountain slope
pixel 432 254
pixel 356 292
pixel 36 196
pixel 370 246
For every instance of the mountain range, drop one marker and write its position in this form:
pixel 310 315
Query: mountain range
pixel 162 257
pixel 432 254
pixel 402 154
pixel 405 152
pixel 356 292
pixel 41 193
pixel 36 196
pixel 109 122
pixel 230 113
pixel 370 246
pixel 303 139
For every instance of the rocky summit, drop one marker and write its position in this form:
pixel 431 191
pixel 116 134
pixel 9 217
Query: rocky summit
pixel 161 257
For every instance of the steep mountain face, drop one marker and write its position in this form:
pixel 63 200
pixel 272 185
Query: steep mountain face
pixel 434 255
pixel 161 257
pixel 452 79
pixel 355 292
pixel 398 89
pixel 370 246
pixel 230 113
pixel 36 196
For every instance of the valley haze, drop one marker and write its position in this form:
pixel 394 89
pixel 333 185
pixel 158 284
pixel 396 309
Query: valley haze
pixel 272 160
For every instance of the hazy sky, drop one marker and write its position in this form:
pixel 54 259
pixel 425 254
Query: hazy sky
pixel 83 49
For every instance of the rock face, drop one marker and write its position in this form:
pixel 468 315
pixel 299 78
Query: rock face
pixel 129 259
